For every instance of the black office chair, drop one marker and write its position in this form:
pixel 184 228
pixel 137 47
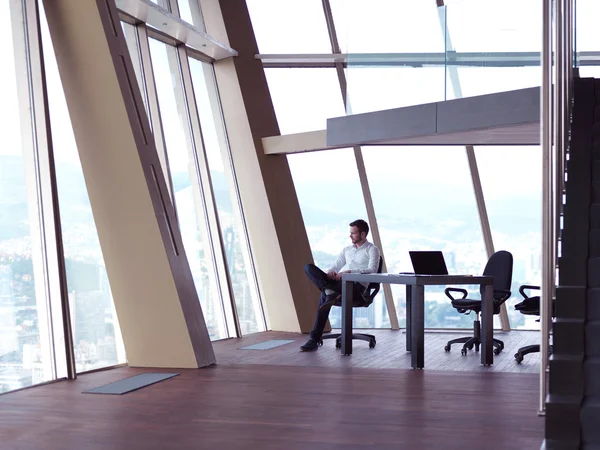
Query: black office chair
pixel 499 266
pixel 529 306
pixel 368 296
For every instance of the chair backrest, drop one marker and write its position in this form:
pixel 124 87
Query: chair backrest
pixel 499 266
pixel 373 288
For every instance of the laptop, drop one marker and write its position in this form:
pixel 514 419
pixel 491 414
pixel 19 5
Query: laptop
pixel 428 262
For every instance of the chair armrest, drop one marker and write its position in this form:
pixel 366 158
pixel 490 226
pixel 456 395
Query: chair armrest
pixel 370 292
pixel 505 295
pixel 525 287
pixel 448 291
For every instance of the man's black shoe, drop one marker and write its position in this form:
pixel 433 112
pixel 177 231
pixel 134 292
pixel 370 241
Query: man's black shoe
pixel 331 299
pixel 310 346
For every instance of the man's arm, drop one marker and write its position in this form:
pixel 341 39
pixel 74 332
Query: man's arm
pixel 339 263
pixel 373 261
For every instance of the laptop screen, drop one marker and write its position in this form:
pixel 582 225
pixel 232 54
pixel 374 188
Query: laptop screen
pixel 428 262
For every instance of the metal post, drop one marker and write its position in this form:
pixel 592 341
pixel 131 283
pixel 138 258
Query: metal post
pixel 547 219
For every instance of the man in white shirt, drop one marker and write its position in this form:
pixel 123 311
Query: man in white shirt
pixel 360 257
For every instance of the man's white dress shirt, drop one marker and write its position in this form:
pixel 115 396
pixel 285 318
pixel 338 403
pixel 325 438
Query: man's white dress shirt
pixel 363 259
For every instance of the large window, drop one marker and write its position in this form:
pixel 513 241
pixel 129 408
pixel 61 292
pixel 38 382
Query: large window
pixel 514 205
pixel 187 193
pixel 304 98
pixel 330 198
pixel 233 233
pixel 289 26
pixel 96 333
pixel 26 354
pixel 423 199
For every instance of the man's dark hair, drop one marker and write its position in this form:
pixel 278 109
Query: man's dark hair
pixel 361 225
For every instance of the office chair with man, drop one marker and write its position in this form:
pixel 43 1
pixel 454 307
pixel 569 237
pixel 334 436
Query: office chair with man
pixel 499 266
pixel 368 296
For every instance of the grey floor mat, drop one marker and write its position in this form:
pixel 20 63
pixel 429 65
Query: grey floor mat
pixel 266 345
pixel 131 384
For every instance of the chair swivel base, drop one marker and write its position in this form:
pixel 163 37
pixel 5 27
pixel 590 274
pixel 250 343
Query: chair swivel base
pixel 360 336
pixel 474 341
pixel 470 342
pixel 526 351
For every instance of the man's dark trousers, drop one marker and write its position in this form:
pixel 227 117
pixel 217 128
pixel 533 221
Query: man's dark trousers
pixel 322 281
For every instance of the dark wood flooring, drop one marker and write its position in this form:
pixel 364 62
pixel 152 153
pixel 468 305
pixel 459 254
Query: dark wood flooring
pixel 390 352
pixel 284 399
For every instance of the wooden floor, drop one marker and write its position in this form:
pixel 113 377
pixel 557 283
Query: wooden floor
pixel 253 406
pixel 390 352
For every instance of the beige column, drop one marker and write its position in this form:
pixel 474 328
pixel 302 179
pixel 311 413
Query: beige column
pixel 275 227
pixel 155 298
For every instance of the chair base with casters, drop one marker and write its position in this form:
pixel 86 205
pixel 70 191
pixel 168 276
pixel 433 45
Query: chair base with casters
pixel 526 351
pixel 360 336
pixel 529 349
pixel 368 296
pixel 474 341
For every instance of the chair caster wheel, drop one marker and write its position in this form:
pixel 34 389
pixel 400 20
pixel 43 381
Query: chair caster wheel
pixel 320 342
pixel 463 351
pixel 447 348
pixel 497 351
pixel 338 344
pixel 518 358
pixel 372 343
pixel 477 348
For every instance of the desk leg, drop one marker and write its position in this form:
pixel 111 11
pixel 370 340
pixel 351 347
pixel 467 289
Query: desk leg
pixel 408 317
pixel 417 327
pixel 487 325
pixel 347 289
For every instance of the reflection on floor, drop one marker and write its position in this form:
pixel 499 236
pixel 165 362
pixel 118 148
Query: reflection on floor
pixel 389 353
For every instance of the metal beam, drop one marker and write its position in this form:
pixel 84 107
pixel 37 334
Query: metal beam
pixel 172 26
pixel 547 200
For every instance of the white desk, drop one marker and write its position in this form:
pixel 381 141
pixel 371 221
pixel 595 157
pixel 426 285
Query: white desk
pixel 415 309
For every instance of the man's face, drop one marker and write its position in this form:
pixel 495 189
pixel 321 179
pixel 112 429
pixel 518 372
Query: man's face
pixel 355 235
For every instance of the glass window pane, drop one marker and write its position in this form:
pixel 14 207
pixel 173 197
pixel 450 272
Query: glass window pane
pixel 487 80
pixel 387 26
pixel 186 189
pixel 423 198
pixel 484 26
pixel 289 26
pixel 241 270
pixel 515 214
pixel 327 222
pixel 304 98
pixel 376 88
pixel 131 37
pixel 488 27
pixel 26 355
pixel 96 333
pixel 189 10
pixel 587 32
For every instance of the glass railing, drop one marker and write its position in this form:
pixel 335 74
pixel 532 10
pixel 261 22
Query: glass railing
pixel 428 54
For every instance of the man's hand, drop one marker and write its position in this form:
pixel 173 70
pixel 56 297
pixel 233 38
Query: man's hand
pixel 331 274
pixel 339 275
